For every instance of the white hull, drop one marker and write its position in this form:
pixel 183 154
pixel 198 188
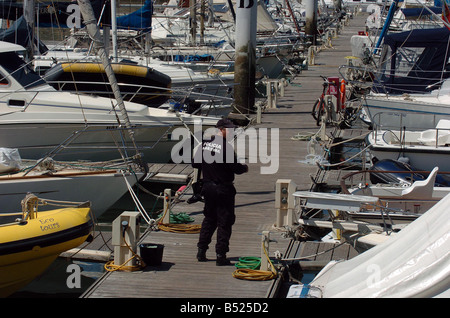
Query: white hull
pixel 421 156
pixel 95 144
pixel 48 118
pixel 438 107
pixel 101 189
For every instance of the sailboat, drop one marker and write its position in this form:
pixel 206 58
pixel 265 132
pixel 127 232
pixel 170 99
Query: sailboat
pixel 101 183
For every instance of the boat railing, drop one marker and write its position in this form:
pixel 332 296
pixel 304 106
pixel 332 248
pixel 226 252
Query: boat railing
pixel 333 210
pixel 347 181
pixel 367 75
pixel 429 129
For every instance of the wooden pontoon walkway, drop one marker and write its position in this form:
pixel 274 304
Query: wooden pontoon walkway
pixel 180 275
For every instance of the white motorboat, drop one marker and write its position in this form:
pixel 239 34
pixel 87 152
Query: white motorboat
pixel 423 148
pixel 412 263
pixel 36 119
pixel 405 202
pixel 412 75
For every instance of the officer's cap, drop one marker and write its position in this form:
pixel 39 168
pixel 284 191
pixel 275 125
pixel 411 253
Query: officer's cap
pixel 225 123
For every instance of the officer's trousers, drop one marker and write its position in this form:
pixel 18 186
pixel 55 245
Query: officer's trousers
pixel 219 214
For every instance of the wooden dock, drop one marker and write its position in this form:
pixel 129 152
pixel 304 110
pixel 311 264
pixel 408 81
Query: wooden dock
pixel 180 275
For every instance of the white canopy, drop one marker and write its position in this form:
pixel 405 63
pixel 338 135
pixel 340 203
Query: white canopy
pixel 413 263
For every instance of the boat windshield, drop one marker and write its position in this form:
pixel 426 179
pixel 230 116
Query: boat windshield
pixel 19 70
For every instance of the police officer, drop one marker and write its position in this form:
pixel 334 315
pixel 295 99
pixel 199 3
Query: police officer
pixel 219 164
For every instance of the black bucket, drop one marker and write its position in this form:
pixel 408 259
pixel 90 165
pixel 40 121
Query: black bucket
pixel 152 253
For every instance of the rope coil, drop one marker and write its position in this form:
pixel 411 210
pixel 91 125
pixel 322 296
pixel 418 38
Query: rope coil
pixel 179 225
pixel 247 269
pixel 111 267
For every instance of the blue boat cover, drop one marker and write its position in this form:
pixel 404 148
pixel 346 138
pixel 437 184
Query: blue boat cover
pixel 429 69
pixel 140 19
pixel 420 12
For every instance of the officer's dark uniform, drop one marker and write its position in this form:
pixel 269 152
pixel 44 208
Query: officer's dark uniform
pixel 219 194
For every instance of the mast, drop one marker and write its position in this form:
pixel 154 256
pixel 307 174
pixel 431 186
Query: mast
pixel 114 29
pixel 386 25
pixel 28 13
pixel 94 33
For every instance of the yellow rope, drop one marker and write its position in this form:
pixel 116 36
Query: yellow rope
pixel 180 228
pixel 255 274
pixel 111 267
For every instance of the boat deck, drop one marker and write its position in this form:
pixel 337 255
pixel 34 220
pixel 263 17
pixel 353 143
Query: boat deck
pixel 180 275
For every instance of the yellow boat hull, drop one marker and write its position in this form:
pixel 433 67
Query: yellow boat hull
pixel 26 250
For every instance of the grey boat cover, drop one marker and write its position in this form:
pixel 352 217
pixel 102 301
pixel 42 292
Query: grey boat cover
pixel 413 263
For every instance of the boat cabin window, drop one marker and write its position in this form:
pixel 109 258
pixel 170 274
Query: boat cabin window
pixel 411 69
pixel 19 70
pixel 406 58
pixel 3 80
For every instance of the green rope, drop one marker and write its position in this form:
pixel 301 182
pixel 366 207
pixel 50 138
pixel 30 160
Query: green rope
pixel 178 218
pixel 249 262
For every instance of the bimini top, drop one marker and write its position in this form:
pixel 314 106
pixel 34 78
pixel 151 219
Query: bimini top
pixel 414 61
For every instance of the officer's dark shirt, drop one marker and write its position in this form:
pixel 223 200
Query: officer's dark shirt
pixel 222 169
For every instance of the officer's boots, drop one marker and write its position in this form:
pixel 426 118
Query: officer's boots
pixel 201 255
pixel 222 260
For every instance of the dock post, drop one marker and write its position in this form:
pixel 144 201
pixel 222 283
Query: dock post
pixel 284 202
pixel 265 249
pixel 275 93
pixel 125 235
pixel 258 113
pixel 269 93
pixel 311 54
pixel 282 85
pixel 166 211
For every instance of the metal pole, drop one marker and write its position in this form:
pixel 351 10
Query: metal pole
pixel 94 33
pixel 29 12
pixel 114 29
pixel 193 21
pixel 311 19
pixel 245 58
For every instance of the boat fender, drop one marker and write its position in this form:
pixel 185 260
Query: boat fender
pixel 342 91
pixel 213 72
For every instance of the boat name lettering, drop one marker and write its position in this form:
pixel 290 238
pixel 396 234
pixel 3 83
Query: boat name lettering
pixel 50 225
pixel 45 221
